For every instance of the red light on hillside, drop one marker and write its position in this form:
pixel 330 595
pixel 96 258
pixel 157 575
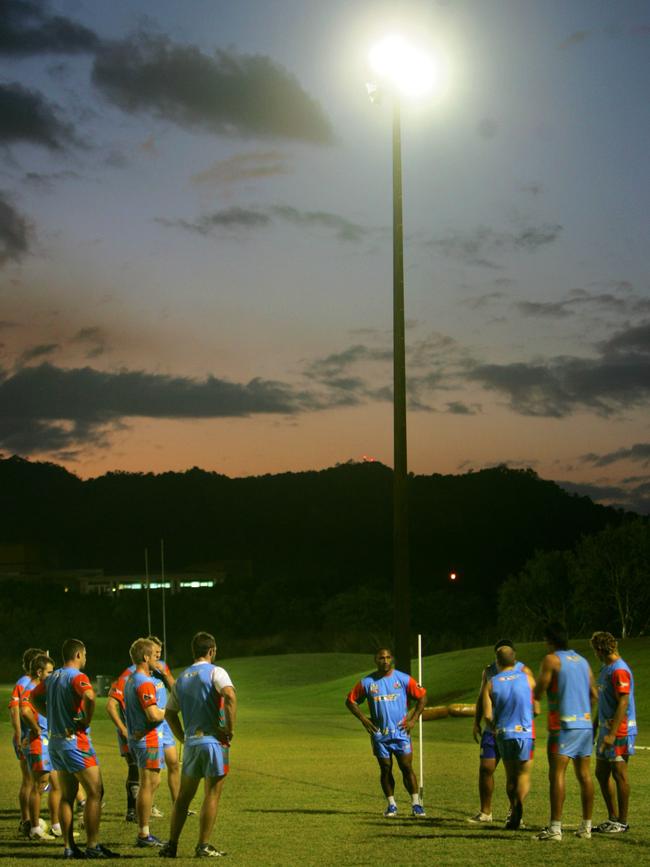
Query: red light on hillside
pixel 452 576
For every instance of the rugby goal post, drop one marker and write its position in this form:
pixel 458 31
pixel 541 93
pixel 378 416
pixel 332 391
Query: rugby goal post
pixel 421 778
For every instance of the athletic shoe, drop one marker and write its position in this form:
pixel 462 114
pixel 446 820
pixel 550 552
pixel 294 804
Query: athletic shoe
pixel 391 811
pixel 24 828
pixel 100 851
pixel 207 850
pixel 56 831
pixel 513 822
pixel 480 818
pixel 191 812
pixel 75 852
pixel 612 827
pixel 547 834
pixel 156 813
pixel 130 816
pixel 168 850
pixel 80 806
pixel 583 833
pixel 417 810
pixel 149 842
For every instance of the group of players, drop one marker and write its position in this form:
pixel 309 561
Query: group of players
pixel 508 701
pixel 51 713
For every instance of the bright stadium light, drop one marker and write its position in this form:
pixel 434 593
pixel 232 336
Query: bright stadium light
pixel 405 67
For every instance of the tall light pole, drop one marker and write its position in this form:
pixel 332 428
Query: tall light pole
pixel 400 69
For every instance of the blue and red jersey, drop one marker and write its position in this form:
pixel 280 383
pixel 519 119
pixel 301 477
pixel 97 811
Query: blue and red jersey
pixel 387 697
pixel 614 680
pixel 139 694
pixel 512 703
pixel 569 693
pixel 64 690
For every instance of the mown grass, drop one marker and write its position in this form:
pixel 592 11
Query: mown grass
pixel 303 788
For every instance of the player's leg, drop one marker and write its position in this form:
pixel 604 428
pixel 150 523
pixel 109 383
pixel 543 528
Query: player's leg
pixel 208 815
pixel 91 779
pixel 607 787
pixel 405 764
pixel 173 771
pixel 132 786
pixel 54 802
pixel 386 778
pixel 69 788
pixel 486 771
pixel 557 765
pixel 582 769
pixel 149 782
pixel 186 793
pixel 621 781
pixel 25 791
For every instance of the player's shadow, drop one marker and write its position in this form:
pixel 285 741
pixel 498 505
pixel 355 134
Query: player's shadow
pixel 302 811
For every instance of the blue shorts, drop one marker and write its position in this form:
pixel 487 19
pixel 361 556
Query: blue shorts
pixel 385 746
pixel 148 752
pixel 72 754
pixel 516 749
pixel 205 759
pixel 167 735
pixel 37 756
pixel 574 743
pixel 489 748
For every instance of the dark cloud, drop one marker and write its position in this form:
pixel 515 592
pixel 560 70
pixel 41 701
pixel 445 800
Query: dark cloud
pixel 242 167
pixel 38 352
pixel 27 27
pixel 479 301
pixel 480 246
pixel 15 232
pixel 227 219
pixel 618 379
pixel 457 407
pixel 25 115
pixel 253 218
pixel 546 309
pixel 343 229
pixel 633 498
pixel 638 452
pixel 43 181
pixel 227 93
pixel 48 408
pixel 94 338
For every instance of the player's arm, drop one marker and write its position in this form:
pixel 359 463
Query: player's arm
pixel 166 674
pixel 487 706
pixel 88 705
pixel 351 702
pixel 549 665
pixel 230 710
pixel 622 702
pixel 531 684
pixel 478 712
pixel 14 714
pixel 27 715
pixel 113 711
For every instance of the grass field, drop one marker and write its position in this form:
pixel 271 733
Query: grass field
pixel 303 787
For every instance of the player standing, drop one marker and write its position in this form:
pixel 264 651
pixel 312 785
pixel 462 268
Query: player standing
pixel 116 712
pixel 567 679
pixel 26 784
pixel 617 724
pixel 144 726
pixel 36 752
pixel 206 698
pixel 387 692
pixel 508 708
pixel 164 680
pixel 489 752
pixel 67 699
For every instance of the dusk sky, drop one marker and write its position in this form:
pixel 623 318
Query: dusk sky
pixel 195 238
